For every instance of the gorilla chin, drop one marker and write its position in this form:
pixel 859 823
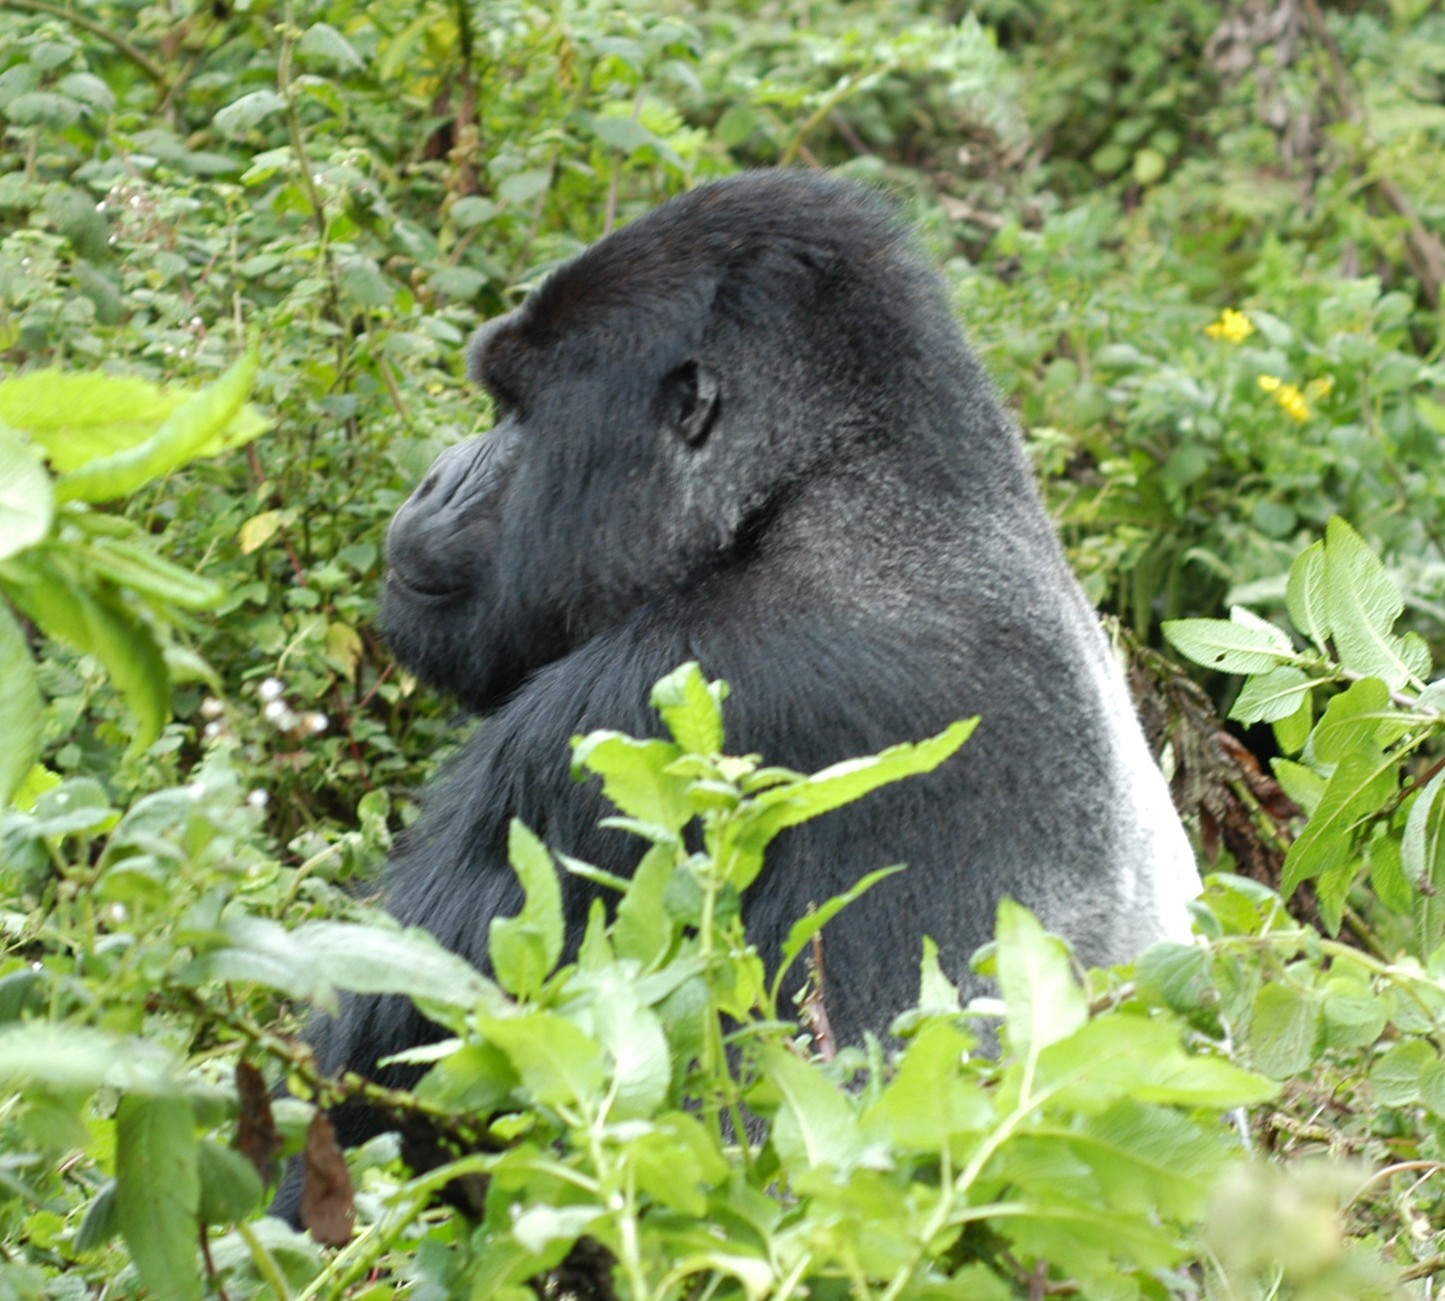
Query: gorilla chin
pixel 745 430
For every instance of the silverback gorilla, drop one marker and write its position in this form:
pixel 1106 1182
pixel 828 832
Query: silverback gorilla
pixel 745 431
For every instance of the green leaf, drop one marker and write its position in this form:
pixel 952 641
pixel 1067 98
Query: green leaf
pixel 194 428
pixel 98 623
pixel 850 780
pixel 632 1035
pixel 691 708
pixel 1234 645
pixel 62 1058
pixel 1043 999
pixel 231 1190
pixel 1326 850
pixel 1269 697
pixel 526 948
pixel 816 1125
pixel 250 110
pixel 644 929
pixel 1396 1073
pixel 318 958
pixel 928 1102
pixel 158 1193
pixel 1285 1030
pixel 635 777
pixel 22 712
pixel 323 42
pixel 559 1064
pixel 800 934
pixel 1305 594
pixel 27 503
pixel 1363 604
pixel 135 566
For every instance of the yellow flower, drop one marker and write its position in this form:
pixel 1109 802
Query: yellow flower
pixel 1232 326
pixel 1288 396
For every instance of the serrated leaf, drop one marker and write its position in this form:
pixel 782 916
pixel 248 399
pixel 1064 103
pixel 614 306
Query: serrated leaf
pixel 1305 594
pixel 250 110
pixel 559 1063
pixel 1326 851
pixel 928 1102
pixel 22 711
pixel 97 623
pixel 27 504
pixel 1285 1030
pixel 801 932
pixel 1270 697
pixel 319 957
pixel 135 566
pixel 842 783
pixel 691 709
pixel 323 41
pixel 635 777
pixel 526 948
pixel 1363 604
pixel 1227 645
pixel 1395 1076
pixel 632 1035
pixel 198 424
pixel 816 1125
pixel 1044 1001
pixel 158 1193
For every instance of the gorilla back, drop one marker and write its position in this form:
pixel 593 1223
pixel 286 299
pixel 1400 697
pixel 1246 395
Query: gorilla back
pixel 744 430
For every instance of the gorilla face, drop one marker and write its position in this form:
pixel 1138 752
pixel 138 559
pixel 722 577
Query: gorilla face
pixel 657 398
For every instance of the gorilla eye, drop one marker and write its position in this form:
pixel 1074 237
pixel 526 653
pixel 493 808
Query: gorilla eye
pixel 690 403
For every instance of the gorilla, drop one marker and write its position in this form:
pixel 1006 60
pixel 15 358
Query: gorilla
pixel 744 430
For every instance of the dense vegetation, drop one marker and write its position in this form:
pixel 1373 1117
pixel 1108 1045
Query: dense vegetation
pixel 241 245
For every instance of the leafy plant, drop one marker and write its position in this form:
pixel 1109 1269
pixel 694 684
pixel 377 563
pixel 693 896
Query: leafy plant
pixel 91 578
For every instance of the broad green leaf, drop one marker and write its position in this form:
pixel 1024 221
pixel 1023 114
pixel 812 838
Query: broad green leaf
pixel 635 777
pixel 539 1226
pixel 137 567
pixel 1352 723
pixel 1285 1030
pixel 98 623
pixel 850 780
pixel 323 41
pixel 816 1124
pixel 59 1058
pixel 1229 645
pixel 1422 861
pixel 259 530
pixel 1305 594
pixel 197 425
pixel 1269 697
pixel 1176 975
pixel 247 112
pixel 803 930
pixel 644 928
pixel 27 503
pixel 1043 999
pixel 526 948
pixel 22 712
pixel 231 1190
pixel 691 707
pixel 1326 851
pixel 158 1193
pixel 1363 604
pixel 316 959
pixel 559 1064
pixel 1395 1076
pixel 1142 1059
pixel 1150 1159
pixel 929 1102
pixel 633 1038
pixel 81 417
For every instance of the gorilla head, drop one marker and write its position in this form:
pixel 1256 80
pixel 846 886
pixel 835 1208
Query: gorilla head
pixel 745 431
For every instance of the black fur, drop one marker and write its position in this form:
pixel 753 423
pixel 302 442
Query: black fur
pixel 745 430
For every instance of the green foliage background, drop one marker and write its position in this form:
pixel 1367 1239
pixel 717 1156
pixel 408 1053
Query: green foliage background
pixel 1198 246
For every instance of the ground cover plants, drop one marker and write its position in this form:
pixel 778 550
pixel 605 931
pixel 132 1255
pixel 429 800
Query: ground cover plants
pixel 241 245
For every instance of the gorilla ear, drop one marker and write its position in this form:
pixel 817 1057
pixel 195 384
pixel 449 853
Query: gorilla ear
pixel 690 402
